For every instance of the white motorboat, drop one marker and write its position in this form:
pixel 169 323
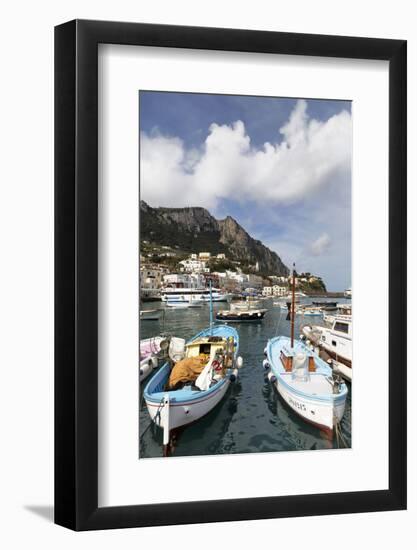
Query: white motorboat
pixel 335 340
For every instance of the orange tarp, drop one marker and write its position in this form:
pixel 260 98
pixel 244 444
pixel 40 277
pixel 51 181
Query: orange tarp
pixel 186 370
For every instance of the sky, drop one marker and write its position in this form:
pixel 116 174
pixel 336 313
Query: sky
pixel 280 166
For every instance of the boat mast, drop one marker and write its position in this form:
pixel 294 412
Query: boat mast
pixel 293 305
pixel 211 307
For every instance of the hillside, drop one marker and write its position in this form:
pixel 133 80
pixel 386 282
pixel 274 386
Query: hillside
pixel 194 229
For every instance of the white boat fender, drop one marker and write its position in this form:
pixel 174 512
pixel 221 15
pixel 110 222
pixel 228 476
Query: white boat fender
pixel 239 362
pixel 272 378
pixel 233 376
pixel 265 364
pixel 265 352
pixel 146 367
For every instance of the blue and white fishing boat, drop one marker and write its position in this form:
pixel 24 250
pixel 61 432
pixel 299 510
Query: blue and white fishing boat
pixel 192 397
pixel 305 382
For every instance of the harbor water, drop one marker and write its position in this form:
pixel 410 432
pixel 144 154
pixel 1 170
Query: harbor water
pixel 252 417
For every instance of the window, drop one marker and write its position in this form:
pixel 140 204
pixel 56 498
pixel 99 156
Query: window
pixel 341 327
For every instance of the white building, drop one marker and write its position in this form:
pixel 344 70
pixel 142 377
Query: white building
pixel 279 290
pixel 194 266
pixel 267 291
pixel 150 277
pixel 184 280
pixel 204 256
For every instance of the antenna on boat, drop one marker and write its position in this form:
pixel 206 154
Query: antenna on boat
pixel 211 307
pixel 293 305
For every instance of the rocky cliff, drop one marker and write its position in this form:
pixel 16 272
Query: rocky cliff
pixel 194 229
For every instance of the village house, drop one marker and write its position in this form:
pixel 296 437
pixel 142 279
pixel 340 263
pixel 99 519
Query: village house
pixel 194 266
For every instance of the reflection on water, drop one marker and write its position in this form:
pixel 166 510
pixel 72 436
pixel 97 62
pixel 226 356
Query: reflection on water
pixel 252 417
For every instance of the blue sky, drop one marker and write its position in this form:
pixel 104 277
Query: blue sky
pixel 280 166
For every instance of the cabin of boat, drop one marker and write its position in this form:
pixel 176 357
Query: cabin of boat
pixel 287 359
pixel 204 356
pixel 210 346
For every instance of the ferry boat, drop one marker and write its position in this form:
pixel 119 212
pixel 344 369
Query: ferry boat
pixel 189 294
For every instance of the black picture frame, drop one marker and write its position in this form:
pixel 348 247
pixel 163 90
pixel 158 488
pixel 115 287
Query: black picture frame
pixel 76 272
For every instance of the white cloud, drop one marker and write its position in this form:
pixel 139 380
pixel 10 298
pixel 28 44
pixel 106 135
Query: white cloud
pixel 311 155
pixel 320 245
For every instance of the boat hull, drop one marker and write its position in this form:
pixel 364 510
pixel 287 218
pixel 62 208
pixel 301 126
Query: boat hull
pixel 186 412
pixel 322 415
pixel 313 400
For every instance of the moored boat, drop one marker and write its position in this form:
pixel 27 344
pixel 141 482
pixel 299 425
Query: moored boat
pixel 305 382
pixel 335 340
pixel 309 311
pixel 190 385
pixel 188 293
pixel 149 353
pixel 150 314
pixel 184 392
pixel 239 316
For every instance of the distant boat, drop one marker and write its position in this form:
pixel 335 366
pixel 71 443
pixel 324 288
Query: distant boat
pixel 348 293
pixel 304 381
pixel 309 311
pixel 150 314
pixel 182 302
pixel 239 316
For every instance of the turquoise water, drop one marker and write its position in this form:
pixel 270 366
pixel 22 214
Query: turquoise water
pixel 252 417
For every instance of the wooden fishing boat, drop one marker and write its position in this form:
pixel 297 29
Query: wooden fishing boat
pixel 304 381
pixel 187 388
pixel 192 399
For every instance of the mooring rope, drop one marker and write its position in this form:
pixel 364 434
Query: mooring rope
pixel 157 415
